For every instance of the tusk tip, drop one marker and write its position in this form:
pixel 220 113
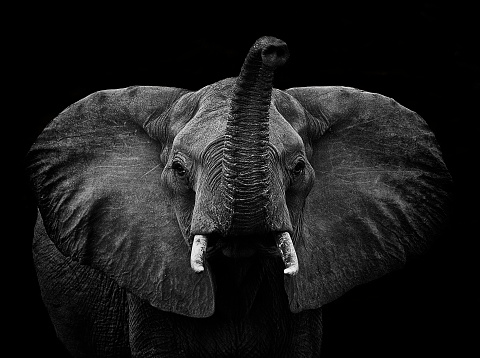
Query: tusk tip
pixel 198 268
pixel 291 271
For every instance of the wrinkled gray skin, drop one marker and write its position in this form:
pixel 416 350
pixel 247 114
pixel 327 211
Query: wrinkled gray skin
pixel 125 180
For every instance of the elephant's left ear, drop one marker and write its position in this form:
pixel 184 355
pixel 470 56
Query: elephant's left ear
pixel 96 171
pixel 380 193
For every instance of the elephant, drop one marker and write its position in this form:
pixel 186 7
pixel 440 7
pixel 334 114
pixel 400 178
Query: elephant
pixel 219 222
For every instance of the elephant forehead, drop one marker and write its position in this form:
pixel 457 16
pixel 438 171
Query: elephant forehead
pixel 208 126
pixel 282 135
pixel 204 128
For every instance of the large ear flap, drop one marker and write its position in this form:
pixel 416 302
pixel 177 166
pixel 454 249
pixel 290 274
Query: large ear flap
pixel 96 175
pixel 379 195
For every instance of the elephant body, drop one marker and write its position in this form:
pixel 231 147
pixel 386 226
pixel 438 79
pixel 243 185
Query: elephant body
pixel 218 222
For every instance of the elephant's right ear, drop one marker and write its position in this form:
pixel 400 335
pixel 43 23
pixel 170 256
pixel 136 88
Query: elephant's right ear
pixel 95 171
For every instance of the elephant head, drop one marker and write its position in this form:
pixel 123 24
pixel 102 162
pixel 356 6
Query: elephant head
pixel 148 184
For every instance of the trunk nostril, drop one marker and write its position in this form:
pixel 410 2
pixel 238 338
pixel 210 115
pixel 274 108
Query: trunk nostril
pixel 275 54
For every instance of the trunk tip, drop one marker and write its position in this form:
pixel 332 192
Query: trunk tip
pixel 274 51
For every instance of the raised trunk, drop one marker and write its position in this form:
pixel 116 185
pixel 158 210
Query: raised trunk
pixel 246 146
pixel 246 159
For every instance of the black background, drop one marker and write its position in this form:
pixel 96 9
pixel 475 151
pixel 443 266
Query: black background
pixel 421 54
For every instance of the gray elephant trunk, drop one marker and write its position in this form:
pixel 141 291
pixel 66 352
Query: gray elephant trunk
pixel 245 178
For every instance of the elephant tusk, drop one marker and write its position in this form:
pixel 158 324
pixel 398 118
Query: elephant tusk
pixel 198 252
pixel 289 256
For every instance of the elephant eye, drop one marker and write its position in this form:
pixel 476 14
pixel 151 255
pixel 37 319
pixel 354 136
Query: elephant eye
pixel 179 169
pixel 298 168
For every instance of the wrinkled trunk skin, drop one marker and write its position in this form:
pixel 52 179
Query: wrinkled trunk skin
pixel 246 146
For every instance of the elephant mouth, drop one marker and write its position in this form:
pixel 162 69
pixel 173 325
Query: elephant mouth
pixel 241 246
pixel 270 244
